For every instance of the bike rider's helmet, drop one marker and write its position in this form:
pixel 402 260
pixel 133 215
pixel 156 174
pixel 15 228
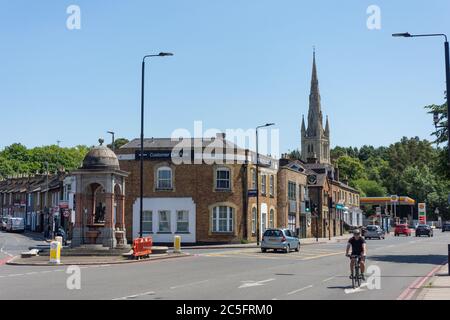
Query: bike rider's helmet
pixel 356 232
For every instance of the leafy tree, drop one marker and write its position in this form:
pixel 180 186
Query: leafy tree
pixel 118 143
pixel 17 159
pixel 370 188
pixel 295 154
pixel 441 133
pixel 350 168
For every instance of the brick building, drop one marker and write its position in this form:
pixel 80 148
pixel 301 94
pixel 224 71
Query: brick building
pixel 293 197
pixel 199 193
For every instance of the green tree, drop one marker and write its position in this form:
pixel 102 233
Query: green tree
pixel 370 188
pixel 351 169
pixel 295 154
pixel 441 133
pixel 118 143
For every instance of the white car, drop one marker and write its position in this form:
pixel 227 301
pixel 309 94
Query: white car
pixel 3 223
pixel 15 225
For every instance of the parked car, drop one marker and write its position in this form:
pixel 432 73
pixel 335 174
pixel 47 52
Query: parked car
pixel 3 223
pixel 446 227
pixel 402 229
pixel 374 231
pixel 280 239
pixel 424 229
pixel 15 225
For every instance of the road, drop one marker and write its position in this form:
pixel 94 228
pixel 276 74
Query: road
pixel 319 271
pixel 12 244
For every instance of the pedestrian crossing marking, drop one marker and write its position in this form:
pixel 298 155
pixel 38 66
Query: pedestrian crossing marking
pixel 307 254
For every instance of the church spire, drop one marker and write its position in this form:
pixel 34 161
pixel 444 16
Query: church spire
pixel 315 120
pixel 303 125
pixel 314 79
pixel 327 128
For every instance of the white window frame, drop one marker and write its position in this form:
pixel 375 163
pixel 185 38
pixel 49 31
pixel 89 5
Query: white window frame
pixel 263 222
pixel 254 220
pixel 253 177
pixel 223 169
pixel 272 218
pixel 271 185
pixel 229 219
pixel 292 194
pixel 263 184
pixel 164 221
pixel 182 221
pixel 150 212
pixel 159 180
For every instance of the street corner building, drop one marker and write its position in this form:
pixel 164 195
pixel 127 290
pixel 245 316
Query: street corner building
pixel 207 198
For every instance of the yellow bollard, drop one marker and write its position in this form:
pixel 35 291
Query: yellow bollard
pixel 55 252
pixel 177 244
pixel 60 240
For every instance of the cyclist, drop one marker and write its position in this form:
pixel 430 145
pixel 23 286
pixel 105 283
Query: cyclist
pixel 358 245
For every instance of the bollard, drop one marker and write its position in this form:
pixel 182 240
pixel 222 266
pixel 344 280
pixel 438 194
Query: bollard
pixel 177 244
pixel 60 240
pixel 55 252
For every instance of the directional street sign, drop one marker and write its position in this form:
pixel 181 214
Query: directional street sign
pixel 252 193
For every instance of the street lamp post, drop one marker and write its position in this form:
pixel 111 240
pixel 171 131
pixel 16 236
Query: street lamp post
pixel 447 72
pixel 112 143
pixel 257 180
pixel 141 155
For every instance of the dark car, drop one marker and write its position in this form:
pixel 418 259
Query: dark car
pixel 446 227
pixel 424 230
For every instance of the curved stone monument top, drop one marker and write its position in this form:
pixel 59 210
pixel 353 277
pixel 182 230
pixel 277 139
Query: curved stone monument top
pixel 101 157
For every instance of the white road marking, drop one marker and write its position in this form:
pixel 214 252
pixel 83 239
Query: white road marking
pixel 360 289
pixel 7 253
pixel 135 295
pixel 298 290
pixel 328 279
pixel 251 283
pixel 188 284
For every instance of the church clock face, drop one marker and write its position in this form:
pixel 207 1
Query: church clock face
pixel 312 179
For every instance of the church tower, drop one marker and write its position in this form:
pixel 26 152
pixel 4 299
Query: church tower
pixel 315 140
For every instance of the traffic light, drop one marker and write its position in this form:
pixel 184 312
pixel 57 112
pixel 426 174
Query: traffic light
pixel 307 206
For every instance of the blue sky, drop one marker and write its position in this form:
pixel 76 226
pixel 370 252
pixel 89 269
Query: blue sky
pixel 237 64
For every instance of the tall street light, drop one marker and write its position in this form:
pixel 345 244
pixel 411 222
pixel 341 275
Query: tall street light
pixel 112 144
pixel 141 155
pixel 447 72
pixel 257 180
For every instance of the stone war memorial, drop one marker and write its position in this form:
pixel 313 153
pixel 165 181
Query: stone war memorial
pixel 100 199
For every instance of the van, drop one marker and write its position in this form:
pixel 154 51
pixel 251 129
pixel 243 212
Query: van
pixel 15 225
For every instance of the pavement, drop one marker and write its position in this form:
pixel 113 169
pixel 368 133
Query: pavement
pixel 437 287
pixel 396 267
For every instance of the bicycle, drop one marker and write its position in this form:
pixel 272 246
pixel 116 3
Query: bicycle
pixel 356 275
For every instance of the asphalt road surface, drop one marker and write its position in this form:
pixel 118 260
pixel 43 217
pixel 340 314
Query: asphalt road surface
pixel 318 271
